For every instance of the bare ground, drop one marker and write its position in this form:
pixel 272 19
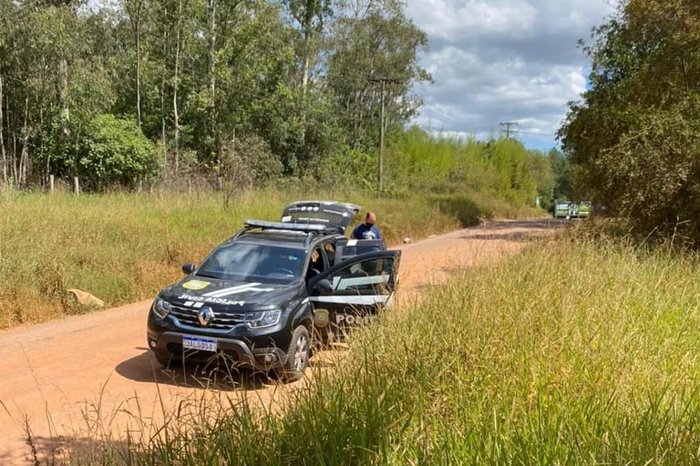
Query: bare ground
pixel 93 374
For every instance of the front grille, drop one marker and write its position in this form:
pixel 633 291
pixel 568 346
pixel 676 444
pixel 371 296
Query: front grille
pixel 222 320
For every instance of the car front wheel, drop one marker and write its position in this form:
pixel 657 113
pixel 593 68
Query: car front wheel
pixel 298 355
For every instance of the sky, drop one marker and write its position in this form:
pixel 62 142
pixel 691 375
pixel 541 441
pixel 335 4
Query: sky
pixel 494 61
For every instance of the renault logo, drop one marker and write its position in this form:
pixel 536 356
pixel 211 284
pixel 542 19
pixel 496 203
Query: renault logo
pixel 205 316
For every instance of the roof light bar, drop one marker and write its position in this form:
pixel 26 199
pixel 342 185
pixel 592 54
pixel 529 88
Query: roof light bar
pixel 305 227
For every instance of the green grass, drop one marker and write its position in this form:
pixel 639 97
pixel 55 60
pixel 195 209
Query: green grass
pixel 125 247
pixel 570 353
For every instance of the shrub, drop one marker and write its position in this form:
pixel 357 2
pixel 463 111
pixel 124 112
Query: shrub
pixel 461 207
pixel 115 151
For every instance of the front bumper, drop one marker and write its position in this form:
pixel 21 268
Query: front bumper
pixel 237 351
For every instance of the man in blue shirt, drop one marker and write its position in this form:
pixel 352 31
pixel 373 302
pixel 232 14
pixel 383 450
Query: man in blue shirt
pixel 368 229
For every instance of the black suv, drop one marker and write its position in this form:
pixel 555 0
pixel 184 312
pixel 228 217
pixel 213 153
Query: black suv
pixel 260 296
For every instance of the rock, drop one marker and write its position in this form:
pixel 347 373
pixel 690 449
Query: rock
pixel 85 298
pixel 407 240
pixel 432 236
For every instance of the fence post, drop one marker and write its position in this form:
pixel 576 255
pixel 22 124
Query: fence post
pixel 51 184
pixel 76 185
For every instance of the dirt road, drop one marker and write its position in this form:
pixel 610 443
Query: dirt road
pixel 63 376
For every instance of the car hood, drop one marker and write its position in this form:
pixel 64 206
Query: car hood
pixel 230 294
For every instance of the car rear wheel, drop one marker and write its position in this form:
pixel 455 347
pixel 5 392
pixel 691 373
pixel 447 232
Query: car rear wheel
pixel 297 356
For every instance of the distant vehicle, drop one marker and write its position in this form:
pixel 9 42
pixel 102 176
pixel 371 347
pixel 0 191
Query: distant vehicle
pixel 569 210
pixel 261 296
pixel 562 209
pixel 584 209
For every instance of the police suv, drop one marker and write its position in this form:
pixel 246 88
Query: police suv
pixel 261 296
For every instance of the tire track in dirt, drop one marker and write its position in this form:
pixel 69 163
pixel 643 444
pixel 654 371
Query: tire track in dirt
pixel 94 372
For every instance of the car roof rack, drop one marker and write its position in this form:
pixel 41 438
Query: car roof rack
pixel 310 229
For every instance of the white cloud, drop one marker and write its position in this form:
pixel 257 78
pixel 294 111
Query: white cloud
pixel 459 20
pixel 504 60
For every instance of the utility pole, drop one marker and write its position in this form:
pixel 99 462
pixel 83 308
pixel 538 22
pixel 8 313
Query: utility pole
pixel 382 126
pixel 380 175
pixel 507 128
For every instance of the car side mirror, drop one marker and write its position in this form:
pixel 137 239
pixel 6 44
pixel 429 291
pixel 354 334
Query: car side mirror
pixel 188 268
pixel 323 287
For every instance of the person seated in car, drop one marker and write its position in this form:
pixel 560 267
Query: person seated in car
pixel 367 229
pixel 316 265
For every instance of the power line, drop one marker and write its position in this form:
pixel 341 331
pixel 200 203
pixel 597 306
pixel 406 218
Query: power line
pixel 534 133
pixel 507 128
pixel 510 128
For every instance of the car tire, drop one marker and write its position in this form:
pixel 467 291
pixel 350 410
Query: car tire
pixel 297 356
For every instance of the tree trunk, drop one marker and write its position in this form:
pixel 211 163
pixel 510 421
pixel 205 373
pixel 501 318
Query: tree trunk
pixel 133 9
pixel 63 96
pixel 307 60
pixel 138 67
pixel 41 143
pixel 162 96
pixel 176 115
pixel 211 9
pixel 13 166
pixel 42 100
pixel 24 157
pixel 3 154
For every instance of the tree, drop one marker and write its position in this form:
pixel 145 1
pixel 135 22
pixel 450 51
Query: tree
pixel 311 16
pixel 370 42
pixel 54 80
pixel 134 8
pixel 635 136
pixel 563 175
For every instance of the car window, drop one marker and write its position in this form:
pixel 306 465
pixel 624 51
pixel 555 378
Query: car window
pixel 355 247
pixel 254 262
pixel 371 275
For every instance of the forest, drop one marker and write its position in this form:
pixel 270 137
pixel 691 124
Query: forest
pixel 234 95
pixel 117 92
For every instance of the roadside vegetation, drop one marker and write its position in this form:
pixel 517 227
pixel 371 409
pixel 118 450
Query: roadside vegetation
pixel 574 352
pixel 220 111
pixel 125 246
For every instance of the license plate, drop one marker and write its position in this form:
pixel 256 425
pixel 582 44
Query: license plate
pixel 199 343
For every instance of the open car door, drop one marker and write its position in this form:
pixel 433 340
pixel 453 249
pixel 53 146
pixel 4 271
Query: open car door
pixel 347 248
pixel 352 292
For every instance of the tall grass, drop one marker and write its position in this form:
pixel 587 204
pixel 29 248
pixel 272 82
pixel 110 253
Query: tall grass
pixel 124 247
pixel 571 353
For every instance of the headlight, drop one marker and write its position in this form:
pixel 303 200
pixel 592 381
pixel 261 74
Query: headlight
pixel 162 308
pixel 263 318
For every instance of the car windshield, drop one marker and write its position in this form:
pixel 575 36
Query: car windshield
pixel 253 262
